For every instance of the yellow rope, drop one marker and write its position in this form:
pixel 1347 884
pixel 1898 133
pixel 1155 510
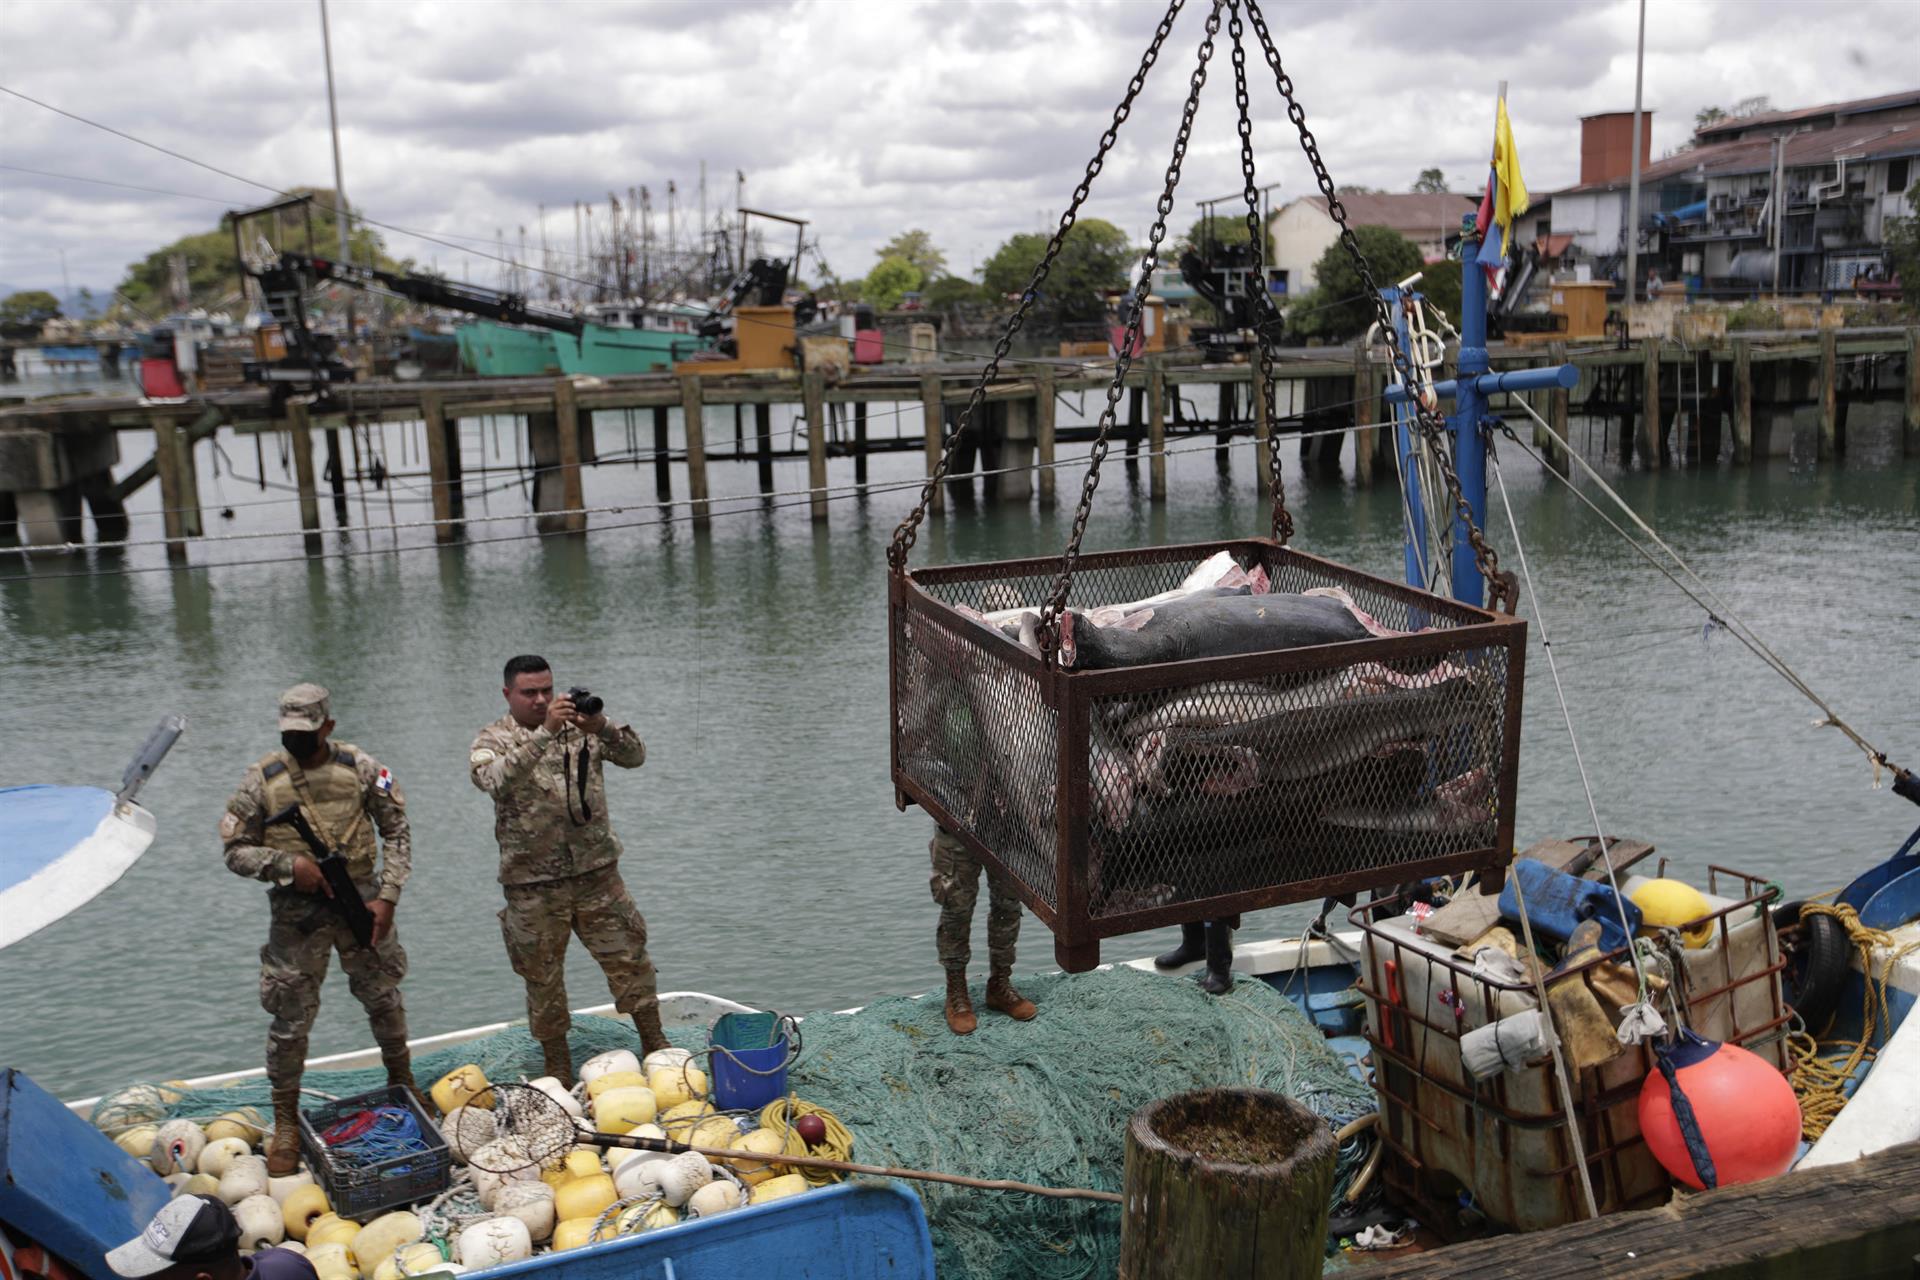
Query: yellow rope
pixel 779 1116
pixel 1820 1081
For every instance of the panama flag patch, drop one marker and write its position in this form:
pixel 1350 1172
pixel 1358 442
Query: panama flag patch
pixel 384 782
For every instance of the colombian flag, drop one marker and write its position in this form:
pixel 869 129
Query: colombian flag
pixel 1506 196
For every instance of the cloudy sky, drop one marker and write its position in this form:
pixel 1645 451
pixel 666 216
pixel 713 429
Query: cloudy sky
pixel 972 120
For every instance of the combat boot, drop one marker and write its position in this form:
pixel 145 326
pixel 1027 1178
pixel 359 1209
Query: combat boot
pixel 283 1148
pixel 1002 998
pixel 1218 977
pixel 646 1021
pixel 559 1060
pixel 399 1065
pixel 960 1019
pixel 1192 947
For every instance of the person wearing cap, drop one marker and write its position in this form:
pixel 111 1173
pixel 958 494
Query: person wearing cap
pixel 345 796
pixel 195 1237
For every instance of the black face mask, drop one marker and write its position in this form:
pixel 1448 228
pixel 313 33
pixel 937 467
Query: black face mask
pixel 300 743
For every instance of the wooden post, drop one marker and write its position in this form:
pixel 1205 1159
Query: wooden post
pixel 1223 438
pixel 1364 409
pixel 694 409
pixel 1262 433
pixel 1742 402
pixel 1829 394
pixel 860 442
pixel 1156 432
pixel 190 516
pixel 1559 401
pixel 337 476
pixel 300 441
pixel 763 445
pixel 1653 430
pixel 440 476
pixel 572 493
pixel 166 457
pixel 740 432
pixel 662 464
pixel 813 392
pixel 1135 395
pixel 1043 428
pixel 1912 433
pixel 1226 1184
pixel 934 412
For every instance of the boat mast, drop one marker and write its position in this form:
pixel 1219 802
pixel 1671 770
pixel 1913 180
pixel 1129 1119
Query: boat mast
pixel 1633 182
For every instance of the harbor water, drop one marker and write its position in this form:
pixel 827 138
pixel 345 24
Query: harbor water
pixel 761 837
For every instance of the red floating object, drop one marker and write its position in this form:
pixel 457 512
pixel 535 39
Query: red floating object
pixel 1743 1108
pixel 812 1129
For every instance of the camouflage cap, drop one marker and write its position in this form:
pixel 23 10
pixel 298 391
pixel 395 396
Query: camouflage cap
pixel 304 706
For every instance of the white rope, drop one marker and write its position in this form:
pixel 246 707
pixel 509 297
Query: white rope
pixel 1718 610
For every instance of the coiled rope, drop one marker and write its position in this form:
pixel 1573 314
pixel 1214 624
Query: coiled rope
pixel 779 1116
pixel 1821 1082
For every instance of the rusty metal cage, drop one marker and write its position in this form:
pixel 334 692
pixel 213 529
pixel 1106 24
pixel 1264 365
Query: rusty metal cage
pixel 1276 777
pixel 1499 1149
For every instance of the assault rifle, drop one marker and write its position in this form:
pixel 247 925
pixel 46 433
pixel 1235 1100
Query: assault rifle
pixel 346 894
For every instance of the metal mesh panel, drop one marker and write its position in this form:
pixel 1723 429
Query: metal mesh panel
pixel 1259 775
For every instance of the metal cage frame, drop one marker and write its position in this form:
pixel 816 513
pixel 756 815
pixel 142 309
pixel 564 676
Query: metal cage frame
pixel 1055 881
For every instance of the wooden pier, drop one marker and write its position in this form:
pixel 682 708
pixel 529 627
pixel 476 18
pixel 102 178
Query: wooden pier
pixel 1655 403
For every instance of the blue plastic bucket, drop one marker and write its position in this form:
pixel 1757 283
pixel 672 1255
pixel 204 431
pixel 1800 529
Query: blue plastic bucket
pixel 749 1060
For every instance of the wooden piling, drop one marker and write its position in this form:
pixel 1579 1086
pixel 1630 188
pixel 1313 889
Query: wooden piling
pixel 662 463
pixel 763 445
pixel 191 516
pixel 934 411
pixel 166 457
pixel 1043 428
pixel 1829 394
pixel 1742 402
pixel 336 476
pixel 1652 428
pixel 1262 433
pixel 1136 397
pixel 694 409
pixel 1223 437
pixel 1226 1184
pixel 1911 435
pixel 300 442
pixel 1156 432
pixel 860 442
pixel 1559 401
pixel 566 414
pixel 813 393
pixel 1364 411
pixel 439 475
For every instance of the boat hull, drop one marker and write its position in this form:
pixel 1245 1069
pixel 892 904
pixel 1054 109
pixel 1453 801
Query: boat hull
pixel 601 350
pixel 502 351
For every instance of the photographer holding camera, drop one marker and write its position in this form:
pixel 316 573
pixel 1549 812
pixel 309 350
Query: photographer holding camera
pixel 559 858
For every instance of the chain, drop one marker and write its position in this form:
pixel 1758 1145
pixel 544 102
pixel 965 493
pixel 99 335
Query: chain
pixel 1257 237
pixel 1136 309
pixel 1503 589
pixel 909 529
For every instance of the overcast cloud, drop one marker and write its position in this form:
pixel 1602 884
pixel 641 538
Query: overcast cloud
pixel 974 121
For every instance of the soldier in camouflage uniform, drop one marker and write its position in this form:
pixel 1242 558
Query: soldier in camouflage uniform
pixel 345 796
pixel 956 887
pixel 559 858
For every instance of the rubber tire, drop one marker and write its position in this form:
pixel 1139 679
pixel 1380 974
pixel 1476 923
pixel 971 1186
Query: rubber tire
pixel 1819 973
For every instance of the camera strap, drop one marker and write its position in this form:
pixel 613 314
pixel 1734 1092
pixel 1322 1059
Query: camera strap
pixel 574 777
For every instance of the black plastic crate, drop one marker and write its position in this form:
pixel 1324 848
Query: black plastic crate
pixel 358 1190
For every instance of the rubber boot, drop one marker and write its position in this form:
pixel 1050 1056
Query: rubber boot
pixel 1218 977
pixel 1192 947
pixel 960 1018
pixel 559 1061
pixel 399 1065
pixel 1002 998
pixel 647 1023
pixel 283 1148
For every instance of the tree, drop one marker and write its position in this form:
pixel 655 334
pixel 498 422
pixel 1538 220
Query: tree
pixel 888 282
pixel 1093 258
pixel 1431 182
pixel 213 278
pixel 1707 117
pixel 950 291
pixel 916 247
pixel 1355 189
pixel 1759 104
pixel 1339 308
pixel 1902 238
pixel 24 314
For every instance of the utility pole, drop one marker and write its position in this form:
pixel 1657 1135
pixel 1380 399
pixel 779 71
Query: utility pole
pixel 340 187
pixel 1633 184
pixel 1779 199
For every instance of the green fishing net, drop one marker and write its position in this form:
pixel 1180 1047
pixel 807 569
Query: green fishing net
pixel 1045 1101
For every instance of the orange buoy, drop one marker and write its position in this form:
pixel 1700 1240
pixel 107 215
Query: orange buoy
pixel 1742 1114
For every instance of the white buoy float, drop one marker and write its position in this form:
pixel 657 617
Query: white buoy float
pixel 532 1203
pixel 260 1223
pixel 492 1243
pixel 601 1064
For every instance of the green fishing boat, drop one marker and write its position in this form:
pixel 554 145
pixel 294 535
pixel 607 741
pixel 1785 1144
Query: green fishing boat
pixel 632 339
pixel 504 351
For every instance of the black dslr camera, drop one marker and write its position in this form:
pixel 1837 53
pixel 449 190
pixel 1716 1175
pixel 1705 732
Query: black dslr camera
pixel 586 703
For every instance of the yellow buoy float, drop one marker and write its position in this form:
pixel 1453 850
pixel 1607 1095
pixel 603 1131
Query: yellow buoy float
pixel 622 1109
pixel 674 1085
pixel 331 1262
pixel 584 1197
pixel 615 1080
pixel 757 1142
pixel 1673 904
pixel 460 1087
pixel 303 1207
pixel 787 1184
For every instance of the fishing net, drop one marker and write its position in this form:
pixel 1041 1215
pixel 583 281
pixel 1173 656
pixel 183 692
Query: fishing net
pixel 1044 1101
